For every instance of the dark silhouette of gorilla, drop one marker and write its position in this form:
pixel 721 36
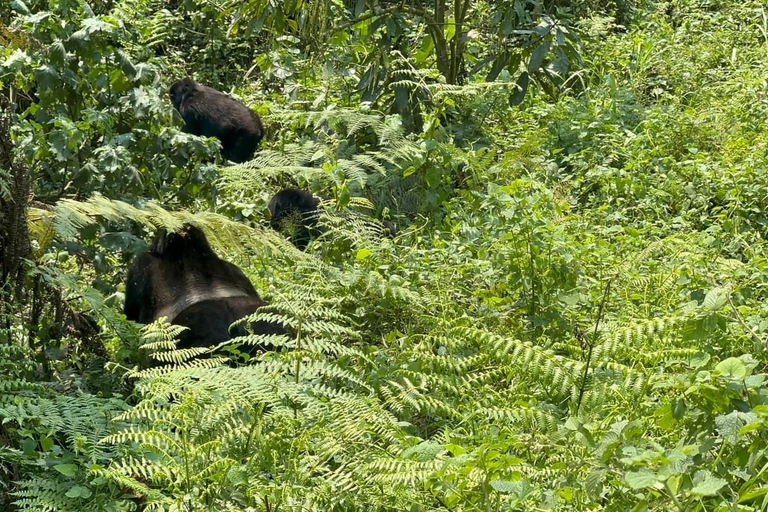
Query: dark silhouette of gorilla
pixel 390 228
pixel 78 325
pixel 211 113
pixel 295 212
pixel 182 279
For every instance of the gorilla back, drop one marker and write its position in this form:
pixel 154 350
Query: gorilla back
pixel 208 321
pixel 210 113
pixel 182 279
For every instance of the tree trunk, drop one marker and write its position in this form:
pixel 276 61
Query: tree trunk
pixel 449 54
pixel 15 187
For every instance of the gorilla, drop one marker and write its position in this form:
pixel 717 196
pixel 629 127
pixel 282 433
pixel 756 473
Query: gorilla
pixel 390 228
pixel 210 113
pixel 80 325
pixel 296 211
pixel 182 279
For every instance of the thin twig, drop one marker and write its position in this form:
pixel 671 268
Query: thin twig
pixel 592 343
pixel 740 319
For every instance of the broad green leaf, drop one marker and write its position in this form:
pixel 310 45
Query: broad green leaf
pixel 593 483
pixel 499 64
pixel 729 426
pixel 699 359
pixel 92 26
pixel 705 484
pixel 450 28
pixel 537 57
pixel 29 446
pixel 522 87
pixel 78 491
pixel 715 299
pixel 640 479
pixel 423 452
pixel 505 486
pixel 732 367
pixel 46 443
pixel 17 59
pixel 519 489
pixel 66 469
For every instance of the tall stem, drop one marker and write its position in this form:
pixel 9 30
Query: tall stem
pixel 592 343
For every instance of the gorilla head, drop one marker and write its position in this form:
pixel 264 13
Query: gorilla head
pixel 180 90
pixel 294 212
pixel 390 228
pixel 181 278
pixel 210 113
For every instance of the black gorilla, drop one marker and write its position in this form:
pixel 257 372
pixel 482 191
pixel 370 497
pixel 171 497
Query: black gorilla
pixel 210 113
pixel 182 279
pixel 296 211
pixel 75 325
pixel 390 228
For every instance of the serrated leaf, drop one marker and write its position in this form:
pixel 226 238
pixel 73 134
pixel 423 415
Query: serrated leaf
pixel 729 425
pixel 93 25
pixel 518 489
pixel 640 479
pixel 18 58
pixel 715 299
pixel 705 484
pixel 593 483
pixel 125 63
pixel 57 52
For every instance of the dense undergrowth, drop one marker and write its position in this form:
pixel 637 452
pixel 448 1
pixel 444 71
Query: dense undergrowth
pixel 572 317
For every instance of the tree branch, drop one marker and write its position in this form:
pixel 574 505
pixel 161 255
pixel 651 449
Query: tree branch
pixel 365 17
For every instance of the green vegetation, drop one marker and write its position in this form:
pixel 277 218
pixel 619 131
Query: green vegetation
pixel 574 315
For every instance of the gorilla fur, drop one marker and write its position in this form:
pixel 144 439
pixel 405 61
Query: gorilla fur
pixel 211 113
pixel 182 279
pixel 295 210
